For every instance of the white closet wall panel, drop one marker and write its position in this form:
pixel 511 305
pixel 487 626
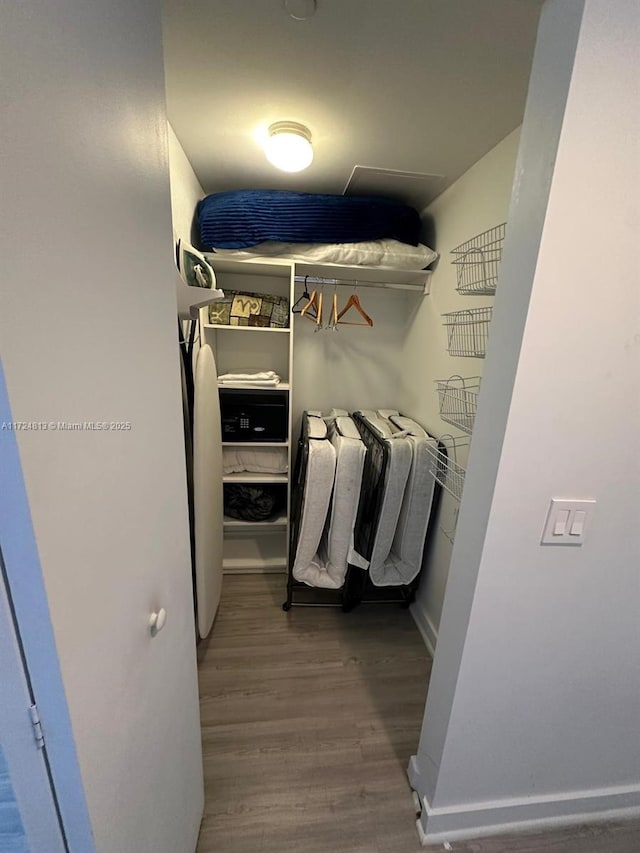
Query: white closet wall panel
pixel 534 700
pixel 186 191
pixel 476 202
pixel 355 367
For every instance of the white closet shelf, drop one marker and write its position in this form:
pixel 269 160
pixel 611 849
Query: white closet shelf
pixel 259 548
pixel 415 280
pixel 250 477
pixel 253 444
pixel 276 267
pixel 220 328
pixel 240 566
pixel 239 386
pixel 236 524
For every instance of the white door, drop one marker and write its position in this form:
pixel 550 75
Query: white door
pixel 28 814
pixel 82 104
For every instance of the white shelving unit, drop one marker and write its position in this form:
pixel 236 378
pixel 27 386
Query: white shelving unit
pixel 255 546
pixel 263 546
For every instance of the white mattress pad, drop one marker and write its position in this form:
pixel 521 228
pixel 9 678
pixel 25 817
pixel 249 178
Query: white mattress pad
pixel 393 485
pixel 405 558
pixel 328 567
pixel 396 557
pixel 318 486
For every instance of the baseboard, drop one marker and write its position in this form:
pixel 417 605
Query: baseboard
pixel 426 627
pixel 474 820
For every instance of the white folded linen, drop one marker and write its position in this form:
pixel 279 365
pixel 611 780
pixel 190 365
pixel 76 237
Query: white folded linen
pixel 258 460
pixel 248 376
pixel 251 383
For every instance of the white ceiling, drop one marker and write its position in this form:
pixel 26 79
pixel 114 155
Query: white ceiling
pixel 415 85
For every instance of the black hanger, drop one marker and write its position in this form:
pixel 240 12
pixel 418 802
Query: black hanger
pixel 304 302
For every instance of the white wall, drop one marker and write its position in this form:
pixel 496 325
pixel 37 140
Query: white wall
pixel 88 333
pixel 477 201
pixel 354 367
pixel 532 714
pixel 186 192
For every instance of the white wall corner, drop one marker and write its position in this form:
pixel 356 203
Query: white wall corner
pixel 186 191
pixel 427 629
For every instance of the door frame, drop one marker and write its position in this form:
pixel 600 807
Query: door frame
pixel 29 599
pixel 30 802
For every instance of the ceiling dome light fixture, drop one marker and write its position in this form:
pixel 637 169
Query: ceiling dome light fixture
pixel 289 146
pixel 301 10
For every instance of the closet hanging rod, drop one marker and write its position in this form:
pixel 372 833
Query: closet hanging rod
pixel 353 282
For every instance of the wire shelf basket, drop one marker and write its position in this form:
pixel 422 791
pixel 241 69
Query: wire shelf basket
pixel 467 331
pixel 447 471
pixel 458 399
pixel 444 466
pixel 477 261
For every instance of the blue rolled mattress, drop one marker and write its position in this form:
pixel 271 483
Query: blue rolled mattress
pixel 239 219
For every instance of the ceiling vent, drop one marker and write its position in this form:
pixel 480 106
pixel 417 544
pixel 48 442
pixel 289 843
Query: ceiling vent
pixel 414 188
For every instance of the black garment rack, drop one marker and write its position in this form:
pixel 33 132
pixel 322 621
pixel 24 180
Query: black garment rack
pixel 358 588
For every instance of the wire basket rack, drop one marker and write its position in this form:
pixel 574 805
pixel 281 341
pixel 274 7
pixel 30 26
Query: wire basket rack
pixel 444 466
pixel 458 398
pixel 477 261
pixel 449 473
pixel 467 331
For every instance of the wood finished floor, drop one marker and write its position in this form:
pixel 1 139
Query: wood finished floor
pixel 308 721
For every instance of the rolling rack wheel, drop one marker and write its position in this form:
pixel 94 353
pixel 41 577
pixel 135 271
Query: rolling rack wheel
pixel 354 588
pixel 288 604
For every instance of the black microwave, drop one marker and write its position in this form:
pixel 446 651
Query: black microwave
pixel 249 415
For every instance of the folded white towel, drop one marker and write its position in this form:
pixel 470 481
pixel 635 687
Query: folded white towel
pixel 247 376
pixel 253 383
pixel 262 460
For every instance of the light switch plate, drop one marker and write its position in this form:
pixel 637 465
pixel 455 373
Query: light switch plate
pixel 567 521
